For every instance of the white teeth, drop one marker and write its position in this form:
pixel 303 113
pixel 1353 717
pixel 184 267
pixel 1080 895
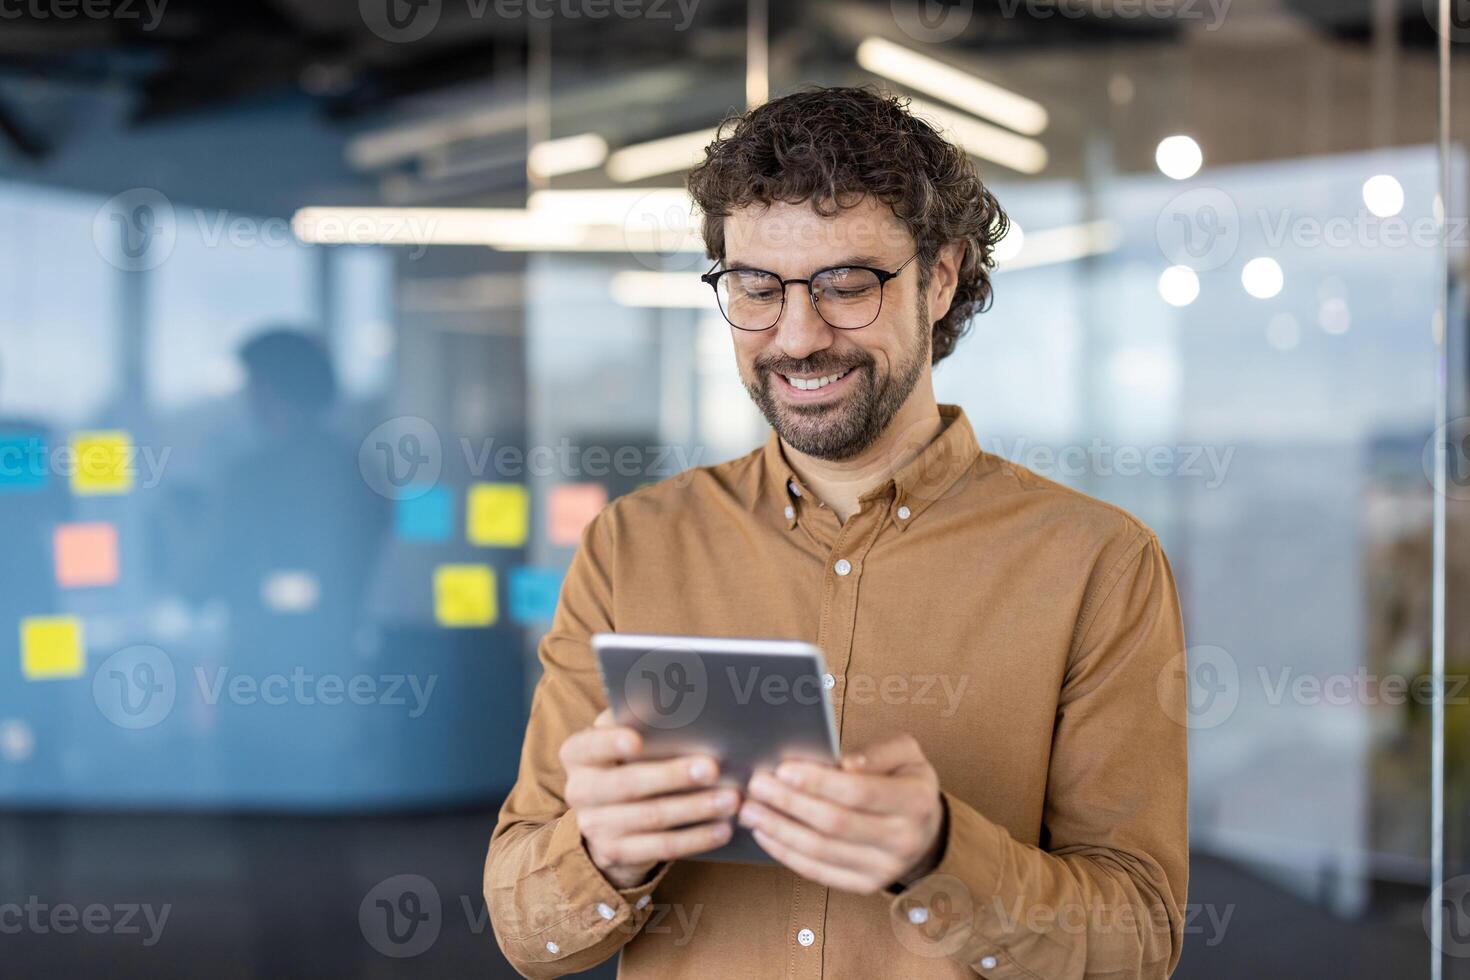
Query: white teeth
pixel 812 384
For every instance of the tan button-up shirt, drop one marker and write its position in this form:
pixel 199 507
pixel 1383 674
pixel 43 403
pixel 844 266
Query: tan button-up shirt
pixel 1027 635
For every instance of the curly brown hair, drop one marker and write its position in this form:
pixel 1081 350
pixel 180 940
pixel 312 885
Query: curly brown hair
pixel 836 146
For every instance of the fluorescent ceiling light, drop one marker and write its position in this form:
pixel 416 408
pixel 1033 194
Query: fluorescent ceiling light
pixel 567 155
pixel 980 139
pixel 1067 243
pixel 555 226
pixel 662 290
pixel 959 88
pixel 672 154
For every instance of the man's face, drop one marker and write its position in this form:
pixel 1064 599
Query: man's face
pixel 828 392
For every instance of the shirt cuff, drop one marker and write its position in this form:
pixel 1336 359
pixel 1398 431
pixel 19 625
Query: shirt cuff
pixel 948 912
pixel 588 908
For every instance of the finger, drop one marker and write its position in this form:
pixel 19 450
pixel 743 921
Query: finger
pixel 885 756
pixel 882 794
pixel 666 845
pixel 870 861
pixel 842 879
pixel 639 780
pixel 660 813
pixel 600 747
pixel 823 815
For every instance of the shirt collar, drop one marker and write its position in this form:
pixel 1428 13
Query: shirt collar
pixel 929 477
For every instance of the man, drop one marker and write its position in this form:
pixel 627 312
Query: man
pixel 1004 652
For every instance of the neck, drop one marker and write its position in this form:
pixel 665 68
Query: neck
pixel 840 483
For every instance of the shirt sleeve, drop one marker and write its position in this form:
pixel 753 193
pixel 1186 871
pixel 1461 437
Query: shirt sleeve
pixel 1103 896
pixel 552 909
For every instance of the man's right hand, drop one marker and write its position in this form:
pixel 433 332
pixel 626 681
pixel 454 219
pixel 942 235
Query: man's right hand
pixel 627 809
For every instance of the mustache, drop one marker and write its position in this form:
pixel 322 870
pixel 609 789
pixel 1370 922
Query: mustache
pixel 816 364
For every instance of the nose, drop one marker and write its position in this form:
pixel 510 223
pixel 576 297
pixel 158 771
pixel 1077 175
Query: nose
pixel 801 331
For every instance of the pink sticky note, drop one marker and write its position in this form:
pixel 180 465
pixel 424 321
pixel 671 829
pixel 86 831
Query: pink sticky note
pixel 571 508
pixel 86 554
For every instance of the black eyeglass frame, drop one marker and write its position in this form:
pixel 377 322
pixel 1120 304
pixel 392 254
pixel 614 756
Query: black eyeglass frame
pixel 883 276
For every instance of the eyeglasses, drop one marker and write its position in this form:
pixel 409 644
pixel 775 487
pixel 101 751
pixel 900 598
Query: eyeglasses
pixel 847 297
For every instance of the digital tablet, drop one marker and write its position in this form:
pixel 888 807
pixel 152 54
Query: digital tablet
pixel 751 704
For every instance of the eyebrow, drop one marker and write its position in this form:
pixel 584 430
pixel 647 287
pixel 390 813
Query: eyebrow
pixel 868 260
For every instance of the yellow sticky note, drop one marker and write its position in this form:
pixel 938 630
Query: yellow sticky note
pixel 464 595
pixel 50 646
pixel 497 515
pixel 102 462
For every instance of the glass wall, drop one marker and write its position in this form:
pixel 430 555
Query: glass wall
pixel 285 519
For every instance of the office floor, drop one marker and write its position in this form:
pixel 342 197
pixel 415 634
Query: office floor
pixel 260 897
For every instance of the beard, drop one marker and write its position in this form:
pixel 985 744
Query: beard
pixel 845 428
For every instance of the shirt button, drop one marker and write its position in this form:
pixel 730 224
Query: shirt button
pixel 553 948
pixel 642 902
pixel 605 910
pixel 828 681
pixel 790 512
pixel 919 915
pixel 795 490
pixel 904 513
pixel 987 963
pixel 843 566
pixel 806 937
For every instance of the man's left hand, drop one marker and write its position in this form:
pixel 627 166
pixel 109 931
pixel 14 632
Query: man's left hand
pixel 859 828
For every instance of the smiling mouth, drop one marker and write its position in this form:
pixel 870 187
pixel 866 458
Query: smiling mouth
pixel 815 384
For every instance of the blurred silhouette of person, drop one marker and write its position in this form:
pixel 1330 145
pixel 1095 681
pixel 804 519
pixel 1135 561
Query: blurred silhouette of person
pixel 291 534
pixel 293 524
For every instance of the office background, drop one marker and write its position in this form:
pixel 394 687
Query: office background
pixel 326 326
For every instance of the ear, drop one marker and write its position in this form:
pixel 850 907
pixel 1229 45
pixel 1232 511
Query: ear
pixel 944 278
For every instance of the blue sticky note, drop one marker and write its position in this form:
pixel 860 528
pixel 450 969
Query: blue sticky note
pixel 426 517
pixel 24 461
pixel 534 593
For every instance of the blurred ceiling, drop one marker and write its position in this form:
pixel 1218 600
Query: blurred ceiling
pixel 439 113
